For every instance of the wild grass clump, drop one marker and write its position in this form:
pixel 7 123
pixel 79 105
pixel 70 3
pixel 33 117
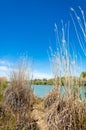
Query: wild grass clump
pixel 7 120
pixel 50 99
pixel 18 100
pixel 26 124
pixel 19 97
pixel 67 114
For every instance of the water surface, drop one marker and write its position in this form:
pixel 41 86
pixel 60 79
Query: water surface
pixel 43 90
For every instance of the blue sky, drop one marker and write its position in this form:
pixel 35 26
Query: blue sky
pixel 27 26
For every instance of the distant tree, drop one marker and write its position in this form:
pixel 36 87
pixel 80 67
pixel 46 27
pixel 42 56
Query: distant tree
pixel 3 79
pixel 83 75
pixel 50 81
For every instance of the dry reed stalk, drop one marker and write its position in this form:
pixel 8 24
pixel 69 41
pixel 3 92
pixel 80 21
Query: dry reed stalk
pixel 67 113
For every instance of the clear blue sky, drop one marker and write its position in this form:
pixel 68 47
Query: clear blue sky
pixel 28 26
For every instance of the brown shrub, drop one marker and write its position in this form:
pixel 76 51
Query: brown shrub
pixel 26 124
pixel 67 114
pixel 51 98
pixel 18 96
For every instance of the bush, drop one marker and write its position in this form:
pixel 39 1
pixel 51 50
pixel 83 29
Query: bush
pixel 25 124
pixel 19 97
pixel 67 114
pixel 50 99
pixel 7 120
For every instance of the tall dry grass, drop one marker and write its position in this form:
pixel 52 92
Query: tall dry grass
pixel 19 97
pixel 69 112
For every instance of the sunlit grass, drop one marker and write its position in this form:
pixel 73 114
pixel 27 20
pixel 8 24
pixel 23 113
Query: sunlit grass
pixel 66 113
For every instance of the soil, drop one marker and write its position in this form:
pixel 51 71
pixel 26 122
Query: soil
pixel 39 115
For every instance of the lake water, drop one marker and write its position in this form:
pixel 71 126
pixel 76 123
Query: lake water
pixel 83 93
pixel 43 90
